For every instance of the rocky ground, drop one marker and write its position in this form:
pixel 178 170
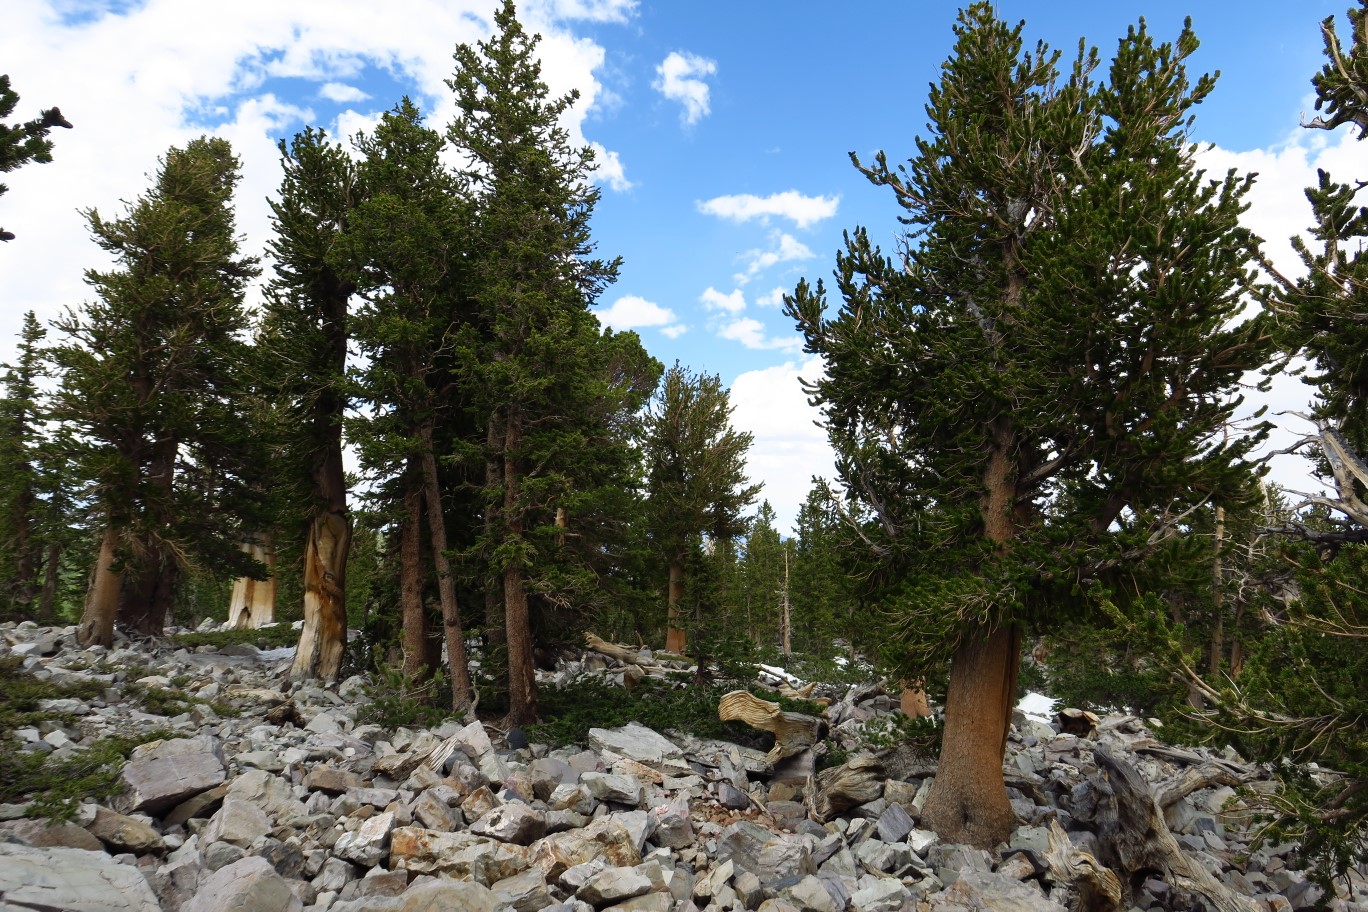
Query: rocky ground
pixel 295 805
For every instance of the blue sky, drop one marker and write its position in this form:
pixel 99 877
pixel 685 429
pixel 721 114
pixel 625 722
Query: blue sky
pixel 723 129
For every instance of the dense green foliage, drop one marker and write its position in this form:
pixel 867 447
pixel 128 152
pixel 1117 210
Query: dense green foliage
pixel 23 143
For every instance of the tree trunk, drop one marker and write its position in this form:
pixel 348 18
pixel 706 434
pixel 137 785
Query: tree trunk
pixel 102 598
pixel 446 586
pixel 495 623
pixel 1217 599
pixel 675 639
pixel 785 616
pixel 27 570
pixel 47 603
pixel 149 591
pixel 522 681
pixel 968 802
pixel 417 631
pixel 323 641
pixel 252 603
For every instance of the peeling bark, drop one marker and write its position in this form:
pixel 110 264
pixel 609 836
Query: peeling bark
pixel 102 598
pixel 323 641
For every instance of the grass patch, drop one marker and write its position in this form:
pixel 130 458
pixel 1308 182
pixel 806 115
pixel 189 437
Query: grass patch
pixel 55 786
pixel 272 637
pixel 20 693
pixel 590 702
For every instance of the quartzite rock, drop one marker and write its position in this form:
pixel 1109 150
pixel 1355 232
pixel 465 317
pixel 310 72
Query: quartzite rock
pixel 168 772
pixel 249 885
pixel 72 880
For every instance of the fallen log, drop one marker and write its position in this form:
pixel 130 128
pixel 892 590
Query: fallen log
pixel 1134 838
pixel 793 732
pixel 612 650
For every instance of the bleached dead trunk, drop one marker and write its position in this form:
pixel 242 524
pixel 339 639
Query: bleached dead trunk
pixel 252 603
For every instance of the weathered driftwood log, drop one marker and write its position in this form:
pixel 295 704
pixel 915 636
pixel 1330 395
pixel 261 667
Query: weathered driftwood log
pixel 858 781
pixel 612 650
pixel 793 732
pixel 1097 887
pixel 1194 779
pixel 1134 838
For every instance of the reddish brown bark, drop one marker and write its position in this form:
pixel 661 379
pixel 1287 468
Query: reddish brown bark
pixel 446 586
pixel 418 667
pixel 968 802
pixel 47 602
pixel 522 681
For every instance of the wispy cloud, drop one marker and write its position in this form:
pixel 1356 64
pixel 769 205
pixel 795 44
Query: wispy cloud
pixel 681 78
pixel 803 211
pixel 784 248
pixel 341 93
pixel 772 298
pixel 751 333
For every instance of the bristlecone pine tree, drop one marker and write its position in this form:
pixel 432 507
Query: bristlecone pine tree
pixel 151 384
pixel 695 476
pixel 303 349
pixel 534 277
pixel 1027 395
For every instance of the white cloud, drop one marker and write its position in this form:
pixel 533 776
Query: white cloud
pixel 591 10
pixel 803 211
pixel 772 298
pixel 674 332
pixel 789 448
pixel 713 299
pixel 634 312
pixel 751 333
pixel 681 79
pixel 785 248
pixel 608 168
pixel 164 72
pixel 341 93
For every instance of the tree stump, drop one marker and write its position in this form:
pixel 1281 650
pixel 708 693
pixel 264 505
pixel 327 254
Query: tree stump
pixel 837 790
pixel 1135 839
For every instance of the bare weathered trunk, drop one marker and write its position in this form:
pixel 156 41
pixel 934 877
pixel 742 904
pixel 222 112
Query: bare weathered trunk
pixel 417 633
pixel 102 598
pixel 252 603
pixel 323 641
pixel 446 586
pixel 675 639
pixel 968 802
pixel 522 681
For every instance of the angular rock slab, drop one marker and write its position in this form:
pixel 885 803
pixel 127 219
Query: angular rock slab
pixel 249 885
pixel 636 742
pixel 461 855
pixel 71 879
pixel 168 772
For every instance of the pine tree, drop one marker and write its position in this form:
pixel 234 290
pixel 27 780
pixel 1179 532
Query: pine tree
pixel 24 143
pixel 20 439
pixel 303 350
pixel 151 383
pixel 1038 385
pixel 411 236
pixel 534 277
pixel 695 476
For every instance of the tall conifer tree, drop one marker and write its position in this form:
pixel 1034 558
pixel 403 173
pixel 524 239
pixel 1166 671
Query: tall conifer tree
pixel 151 383
pixel 1030 392
pixel 534 276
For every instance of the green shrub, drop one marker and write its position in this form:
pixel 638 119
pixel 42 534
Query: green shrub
pixel 273 637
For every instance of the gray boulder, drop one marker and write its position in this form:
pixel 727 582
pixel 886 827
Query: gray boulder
pixel 73 880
